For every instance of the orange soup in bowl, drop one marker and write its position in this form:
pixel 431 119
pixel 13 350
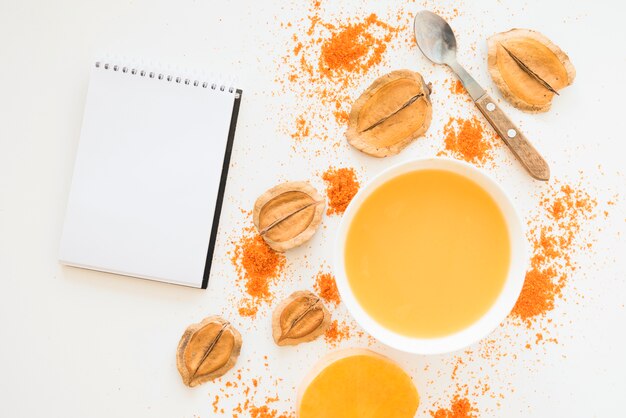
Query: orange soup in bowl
pixel 427 253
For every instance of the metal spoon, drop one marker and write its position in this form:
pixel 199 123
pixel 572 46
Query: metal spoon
pixel 436 40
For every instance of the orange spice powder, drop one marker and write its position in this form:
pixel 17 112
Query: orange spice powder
pixel 266 412
pixel 342 116
pixel 538 294
pixel 257 266
pixel 215 404
pixel 456 87
pixel 460 408
pixel 326 287
pixel 564 211
pixel 302 128
pixel 466 139
pixel 337 332
pixel 341 186
pixel 251 396
pixel 353 48
pixel 324 60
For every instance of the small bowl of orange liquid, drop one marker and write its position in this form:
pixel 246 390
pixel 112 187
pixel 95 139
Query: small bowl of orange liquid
pixel 430 256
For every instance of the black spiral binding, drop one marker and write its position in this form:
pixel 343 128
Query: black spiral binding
pixel 166 77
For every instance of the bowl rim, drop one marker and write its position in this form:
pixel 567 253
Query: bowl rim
pixel 508 295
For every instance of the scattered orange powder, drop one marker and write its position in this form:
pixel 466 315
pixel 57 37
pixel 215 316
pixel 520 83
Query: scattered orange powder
pixel 257 266
pixel 353 48
pixel 446 12
pixel 466 139
pixel 324 60
pixel 248 397
pixel 248 307
pixel 265 412
pixel 456 87
pixel 493 355
pixel 336 333
pixel 341 186
pixel 563 210
pixel 460 408
pixel 537 295
pixel 326 287
pixel 342 116
pixel 302 128
pixel 297 48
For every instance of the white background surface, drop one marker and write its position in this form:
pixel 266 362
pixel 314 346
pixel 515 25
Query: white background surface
pixel 78 343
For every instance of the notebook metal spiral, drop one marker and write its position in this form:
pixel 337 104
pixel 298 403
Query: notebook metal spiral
pixel 166 77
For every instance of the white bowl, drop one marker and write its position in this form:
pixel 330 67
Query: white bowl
pixel 498 311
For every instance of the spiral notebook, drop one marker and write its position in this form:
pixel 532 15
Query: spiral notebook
pixel 150 174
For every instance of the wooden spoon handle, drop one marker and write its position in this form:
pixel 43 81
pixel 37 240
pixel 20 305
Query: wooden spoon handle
pixel 517 142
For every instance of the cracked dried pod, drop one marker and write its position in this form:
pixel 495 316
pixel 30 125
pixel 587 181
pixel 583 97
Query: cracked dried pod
pixel 288 215
pixel 207 350
pixel 393 112
pixel 300 318
pixel 528 68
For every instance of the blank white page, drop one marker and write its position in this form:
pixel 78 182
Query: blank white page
pixel 146 176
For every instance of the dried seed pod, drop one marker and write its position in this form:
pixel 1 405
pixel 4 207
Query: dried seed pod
pixel 288 215
pixel 300 318
pixel 528 68
pixel 207 350
pixel 393 112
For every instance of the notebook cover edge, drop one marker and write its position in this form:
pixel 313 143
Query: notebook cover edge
pixel 221 189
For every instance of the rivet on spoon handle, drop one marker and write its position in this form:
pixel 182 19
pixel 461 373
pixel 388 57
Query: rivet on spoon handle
pixel 517 142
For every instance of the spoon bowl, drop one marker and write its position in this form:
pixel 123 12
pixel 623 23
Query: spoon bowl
pixel 435 37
